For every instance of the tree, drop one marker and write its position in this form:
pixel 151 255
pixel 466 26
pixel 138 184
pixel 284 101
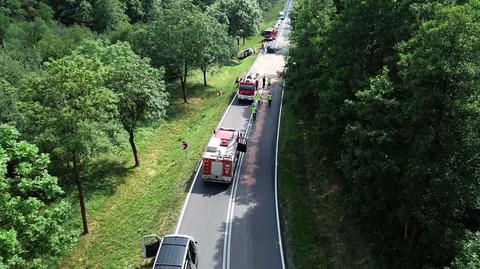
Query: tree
pixel 142 98
pixel 468 257
pixel 243 17
pixel 31 224
pixel 83 13
pixel 140 90
pixel 109 15
pixel 70 112
pixel 218 48
pixel 4 23
pixel 393 105
pixel 203 3
pixel 440 70
pixel 174 40
pixel 8 99
pixel 59 41
pixel 135 11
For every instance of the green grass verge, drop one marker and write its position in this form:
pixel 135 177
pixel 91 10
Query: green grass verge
pixel 124 203
pixel 318 233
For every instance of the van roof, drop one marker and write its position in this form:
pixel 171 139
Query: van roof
pixel 171 253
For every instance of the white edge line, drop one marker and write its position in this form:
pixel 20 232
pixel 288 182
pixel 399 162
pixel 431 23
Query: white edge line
pixel 276 187
pixel 198 171
pixel 279 231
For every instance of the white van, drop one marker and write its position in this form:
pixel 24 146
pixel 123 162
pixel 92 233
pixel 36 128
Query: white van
pixel 281 15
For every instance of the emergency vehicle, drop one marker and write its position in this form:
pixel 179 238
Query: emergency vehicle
pixel 270 34
pixel 220 158
pixel 248 86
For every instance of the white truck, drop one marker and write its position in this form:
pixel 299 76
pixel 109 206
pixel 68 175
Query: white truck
pixel 220 158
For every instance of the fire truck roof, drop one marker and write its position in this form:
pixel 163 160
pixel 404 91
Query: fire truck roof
pixel 224 133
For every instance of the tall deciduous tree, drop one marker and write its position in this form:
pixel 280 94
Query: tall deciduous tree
pixel 218 47
pixel 31 225
pixel 70 109
pixel 174 40
pixel 109 15
pixel 140 90
pixel 243 17
pixel 8 98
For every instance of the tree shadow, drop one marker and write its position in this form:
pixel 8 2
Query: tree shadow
pixel 103 176
pixel 178 109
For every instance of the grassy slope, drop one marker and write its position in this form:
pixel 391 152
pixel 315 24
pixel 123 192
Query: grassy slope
pixel 126 203
pixel 316 227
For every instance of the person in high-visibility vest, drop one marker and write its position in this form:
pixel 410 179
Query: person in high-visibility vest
pixel 269 81
pixel 258 98
pixel 269 98
pixel 254 111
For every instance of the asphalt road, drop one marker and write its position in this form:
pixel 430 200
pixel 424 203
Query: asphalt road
pixel 236 225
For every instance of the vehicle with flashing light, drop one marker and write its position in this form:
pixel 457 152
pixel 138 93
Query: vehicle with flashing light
pixel 222 153
pixel 270 34
pixel 248 86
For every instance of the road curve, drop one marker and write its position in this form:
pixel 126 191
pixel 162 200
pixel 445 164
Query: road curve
pixel 236 225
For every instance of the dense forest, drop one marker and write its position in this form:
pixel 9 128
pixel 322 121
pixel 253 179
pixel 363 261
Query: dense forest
pixel 387 99
pixel 78 78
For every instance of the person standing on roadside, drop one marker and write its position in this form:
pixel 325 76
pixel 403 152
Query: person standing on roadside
pixel 258 98
pixel 264 82
pixel 254 111
pixel 269 82
pixel 269 98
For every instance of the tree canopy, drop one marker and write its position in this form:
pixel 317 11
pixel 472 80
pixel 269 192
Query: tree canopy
pixel 138 87
pixel 74 73
pixel 394 107
pixel 31 224
pixel 72 111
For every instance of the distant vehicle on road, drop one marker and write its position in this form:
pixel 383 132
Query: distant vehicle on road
pixel 270 34
pixel 248 87
pixel 172 251
pixel 220 158
pixel 271 49
pixel 244 54
pixel 281 15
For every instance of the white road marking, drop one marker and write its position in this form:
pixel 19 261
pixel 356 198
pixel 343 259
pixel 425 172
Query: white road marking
pixel 228 229
pixel 279 230
pixel 276 186
pixel 231 200
pixel 231 205
pixel 198 171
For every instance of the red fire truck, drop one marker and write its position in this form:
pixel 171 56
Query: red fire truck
pixel 248 86
pixel 220 158
pixel 270 34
